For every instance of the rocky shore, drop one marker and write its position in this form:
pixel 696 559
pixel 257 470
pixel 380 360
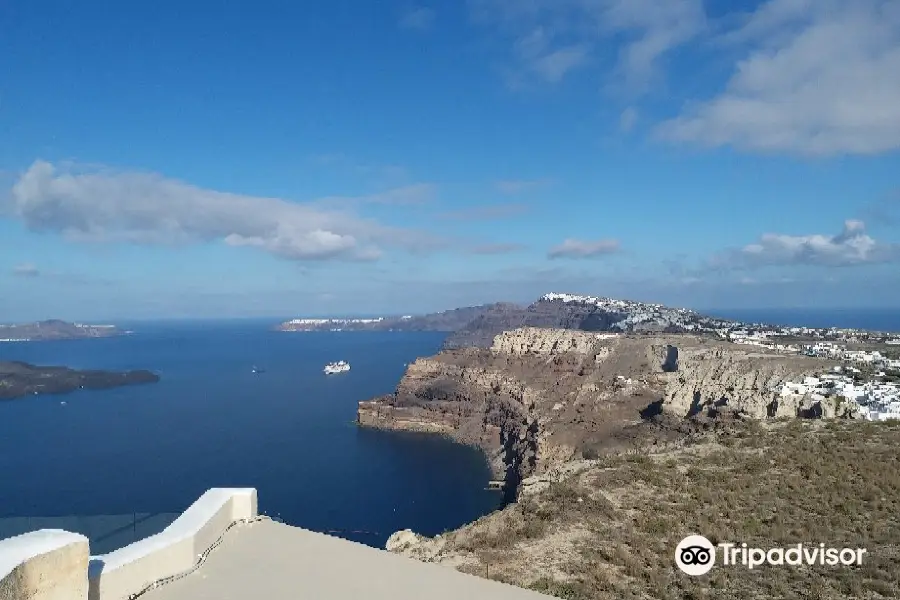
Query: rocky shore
pixel 18 379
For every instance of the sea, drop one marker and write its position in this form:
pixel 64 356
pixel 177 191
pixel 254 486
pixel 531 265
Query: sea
pixel 118 465
pixel 121 464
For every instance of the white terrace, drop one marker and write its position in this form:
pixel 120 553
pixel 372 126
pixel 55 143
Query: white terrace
pixel 220 549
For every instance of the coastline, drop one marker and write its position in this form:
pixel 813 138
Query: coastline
pixel 609 452
pixel 385 419
pixel 541 401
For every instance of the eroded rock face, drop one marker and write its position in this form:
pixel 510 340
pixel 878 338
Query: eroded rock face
pixel 540 398
pixel 710 375
pixel 527 340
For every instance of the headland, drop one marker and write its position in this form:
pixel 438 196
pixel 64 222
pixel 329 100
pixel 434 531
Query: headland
pixel 619 435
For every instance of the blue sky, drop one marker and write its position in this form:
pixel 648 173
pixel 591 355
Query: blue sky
pixel 282 158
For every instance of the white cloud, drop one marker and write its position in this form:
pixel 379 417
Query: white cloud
pixel 420 19
pixel 805 77
pixel 572 248
pixel 852 246
pixel 553 66
pixel 817 78
pixel 26 270
pixel 103 205
pixel 552 37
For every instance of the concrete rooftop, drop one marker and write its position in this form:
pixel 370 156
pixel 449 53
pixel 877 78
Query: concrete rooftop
pixel 273 561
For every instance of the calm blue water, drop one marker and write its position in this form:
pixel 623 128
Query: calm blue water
pixel 879 319
pixel 210 422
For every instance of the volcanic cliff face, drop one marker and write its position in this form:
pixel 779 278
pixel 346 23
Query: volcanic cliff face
pixel 540 398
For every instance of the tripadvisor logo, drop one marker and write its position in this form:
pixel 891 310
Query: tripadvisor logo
pixel 696 555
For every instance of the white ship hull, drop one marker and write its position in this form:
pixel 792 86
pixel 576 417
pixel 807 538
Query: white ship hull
pixel 335 368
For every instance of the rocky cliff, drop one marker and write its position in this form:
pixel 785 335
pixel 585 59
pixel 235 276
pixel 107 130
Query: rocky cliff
pixel 606 529
pixel 708 376
pixel 539 398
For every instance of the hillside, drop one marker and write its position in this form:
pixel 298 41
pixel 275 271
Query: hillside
pixel 607 529
pixel 613 447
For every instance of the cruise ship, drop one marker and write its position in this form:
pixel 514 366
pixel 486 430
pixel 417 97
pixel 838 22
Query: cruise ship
pixel 340 366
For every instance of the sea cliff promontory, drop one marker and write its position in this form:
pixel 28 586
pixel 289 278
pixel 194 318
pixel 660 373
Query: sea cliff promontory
pixel 538 398
pixel 613 446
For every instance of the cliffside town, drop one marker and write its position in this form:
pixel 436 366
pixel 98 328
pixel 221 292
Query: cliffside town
pixel 603 430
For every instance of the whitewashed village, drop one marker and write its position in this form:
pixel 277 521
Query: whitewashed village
pixel 869 379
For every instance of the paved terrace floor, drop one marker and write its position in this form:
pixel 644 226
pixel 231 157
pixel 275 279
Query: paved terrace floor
pixel 273 561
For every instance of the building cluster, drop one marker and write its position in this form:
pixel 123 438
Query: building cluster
pixel 634 316
pixel 836 350
pixel 326 324
pixel 333 321
pixel 875 399
pixel 866 378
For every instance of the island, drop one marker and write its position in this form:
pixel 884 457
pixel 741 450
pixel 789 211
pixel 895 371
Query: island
pixel 18 379
pixel 54 329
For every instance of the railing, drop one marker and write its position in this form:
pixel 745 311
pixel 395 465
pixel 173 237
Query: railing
pixel 105 532
pixel 53 563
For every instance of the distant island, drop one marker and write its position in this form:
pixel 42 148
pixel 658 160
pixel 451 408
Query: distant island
pixel 18 379
pixel 54 329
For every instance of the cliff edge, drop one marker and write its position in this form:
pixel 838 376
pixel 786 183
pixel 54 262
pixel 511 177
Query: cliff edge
pixel 540 398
